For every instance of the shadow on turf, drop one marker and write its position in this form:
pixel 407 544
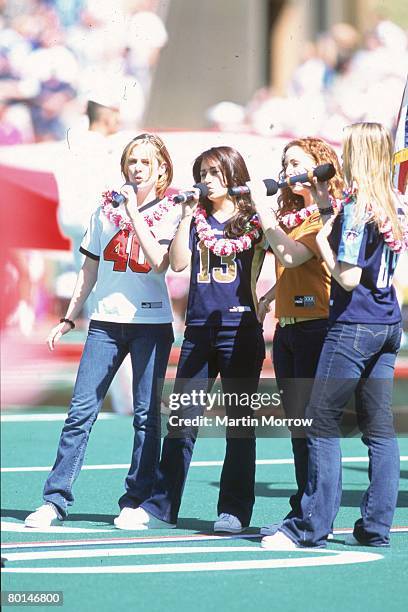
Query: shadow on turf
pixel 348 498
pixel 403 473
pixel 94 518
pixel 190 524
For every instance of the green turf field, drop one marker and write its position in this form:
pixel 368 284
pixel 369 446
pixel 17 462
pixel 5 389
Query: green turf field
pixel 100 568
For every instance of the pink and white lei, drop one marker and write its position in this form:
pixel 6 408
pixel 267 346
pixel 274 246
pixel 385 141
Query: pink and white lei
pixel 293 219
pixel 398 246
pixel 224 246
pixel 122 221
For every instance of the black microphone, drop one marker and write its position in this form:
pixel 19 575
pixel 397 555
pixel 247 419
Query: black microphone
pixel 271 188
pixel 324 172
pixel 118 198
pixel 187 196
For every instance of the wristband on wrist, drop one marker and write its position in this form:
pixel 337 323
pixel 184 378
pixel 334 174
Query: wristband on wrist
pixel 326 211
pixel 70 323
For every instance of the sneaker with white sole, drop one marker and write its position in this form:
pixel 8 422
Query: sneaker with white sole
pixel 278 541
pixel 229 523
pixel 271 529
pixel 138 519
pixel 44 516
pixel 123 516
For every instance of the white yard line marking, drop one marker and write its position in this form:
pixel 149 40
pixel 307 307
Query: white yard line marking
pixel 124 552
pixel 125 466
pixel 164 539
pixel 319 558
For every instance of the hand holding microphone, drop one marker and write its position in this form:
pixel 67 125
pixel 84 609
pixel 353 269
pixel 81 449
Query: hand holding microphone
pixel 321 173
pixel 189 196
pixel 125 194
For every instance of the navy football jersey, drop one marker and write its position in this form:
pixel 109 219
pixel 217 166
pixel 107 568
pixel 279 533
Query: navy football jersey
pixel 374 299
pixel 222 288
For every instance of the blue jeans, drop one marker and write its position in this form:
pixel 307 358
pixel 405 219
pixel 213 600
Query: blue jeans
pixel 237 354
pixel 356 359
pixel 106 347
pixel 296 352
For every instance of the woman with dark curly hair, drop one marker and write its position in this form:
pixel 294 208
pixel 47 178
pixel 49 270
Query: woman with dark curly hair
pixel 302 289
pixel 222 241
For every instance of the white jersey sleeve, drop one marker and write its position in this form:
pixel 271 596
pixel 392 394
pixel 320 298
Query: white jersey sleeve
pixel 91 242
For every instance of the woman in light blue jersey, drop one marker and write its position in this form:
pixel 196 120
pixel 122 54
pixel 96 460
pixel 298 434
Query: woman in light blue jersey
pixel 360 246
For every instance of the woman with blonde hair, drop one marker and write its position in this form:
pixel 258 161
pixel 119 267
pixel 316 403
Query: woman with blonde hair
pixel 126 258
pixel 360 247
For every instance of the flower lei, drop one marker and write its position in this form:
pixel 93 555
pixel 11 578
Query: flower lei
pixel 398 246
pixel 293 219
pixel 122 221
pixel 225 246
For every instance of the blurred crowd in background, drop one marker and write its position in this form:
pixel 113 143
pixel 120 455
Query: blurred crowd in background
pixel 58 55
pixel 53 52
pixel 333 86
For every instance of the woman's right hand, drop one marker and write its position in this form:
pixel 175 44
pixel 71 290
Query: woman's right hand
pixel 264 306
pixel 320 192
pixel 188 208
pixel 55 334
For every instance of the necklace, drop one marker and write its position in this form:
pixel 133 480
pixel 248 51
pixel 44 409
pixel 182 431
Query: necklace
pixel 295 218
pixel 225 246
pixel 385 227
pixel 122 221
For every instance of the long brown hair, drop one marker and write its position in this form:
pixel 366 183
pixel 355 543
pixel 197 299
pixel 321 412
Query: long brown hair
pixel 322 153
pixel 234 173
pixel 159 151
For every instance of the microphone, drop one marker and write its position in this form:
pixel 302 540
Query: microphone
pixel 187 196
pixel 324 172
pixel 271 188
pixel 119 198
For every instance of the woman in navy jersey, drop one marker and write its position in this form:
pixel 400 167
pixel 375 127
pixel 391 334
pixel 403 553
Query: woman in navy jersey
pixel 218 236
pixel 360 246
pixel 126 257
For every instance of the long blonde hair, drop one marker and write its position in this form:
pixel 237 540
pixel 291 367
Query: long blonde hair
pixel 367 157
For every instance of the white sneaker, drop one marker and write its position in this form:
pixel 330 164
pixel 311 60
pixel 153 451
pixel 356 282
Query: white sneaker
pixel 124 515
pixel 271 529
pixel 278 541
pixel 229 523
pixel 138 519
pixel 42 517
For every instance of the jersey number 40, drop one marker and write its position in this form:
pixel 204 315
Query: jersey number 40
pixel 124 250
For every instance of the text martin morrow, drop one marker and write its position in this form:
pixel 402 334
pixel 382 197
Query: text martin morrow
pixel 225 421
